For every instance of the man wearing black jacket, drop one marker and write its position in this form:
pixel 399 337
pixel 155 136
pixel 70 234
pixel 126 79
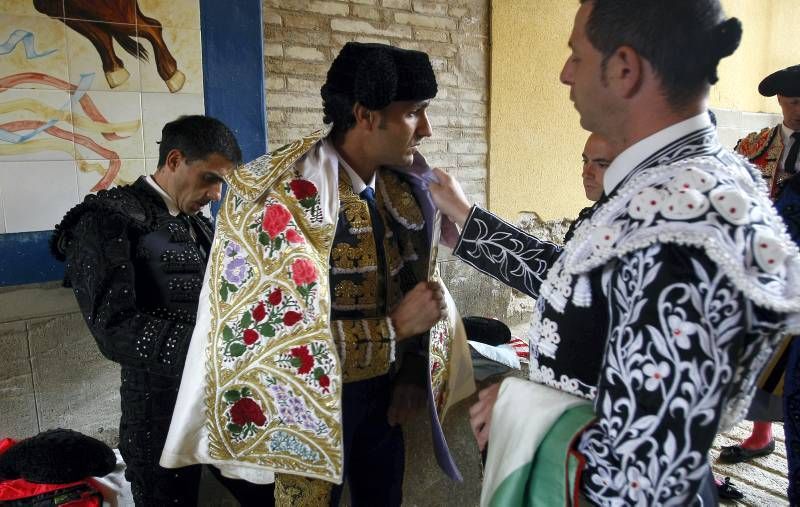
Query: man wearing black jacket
pixel 135 257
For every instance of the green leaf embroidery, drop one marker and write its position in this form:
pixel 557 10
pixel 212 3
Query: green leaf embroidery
pixel 266 330
pixel 232 396
pixel 247 319
pixel 227 334
pixel 234 428
pixel 237 349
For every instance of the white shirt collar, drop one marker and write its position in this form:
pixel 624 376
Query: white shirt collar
pixel 358 184
pixel 787 133
pixel 634 155
pixel 169 201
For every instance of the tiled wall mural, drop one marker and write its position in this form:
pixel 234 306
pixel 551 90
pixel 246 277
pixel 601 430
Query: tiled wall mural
pixel 85 87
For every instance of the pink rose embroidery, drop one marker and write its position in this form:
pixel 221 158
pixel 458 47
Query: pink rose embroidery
pixel 276 218
pixel 303 272
pixel 294 237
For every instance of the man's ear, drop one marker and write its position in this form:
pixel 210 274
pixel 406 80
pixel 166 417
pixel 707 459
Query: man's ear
pixel 173 160
pixel 624 71
pixel 366 118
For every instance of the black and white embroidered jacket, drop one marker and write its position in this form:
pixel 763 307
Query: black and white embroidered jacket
pixel 662 309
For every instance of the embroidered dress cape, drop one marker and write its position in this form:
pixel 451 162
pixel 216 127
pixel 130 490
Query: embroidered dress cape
pixel 261 392
pixel 661 309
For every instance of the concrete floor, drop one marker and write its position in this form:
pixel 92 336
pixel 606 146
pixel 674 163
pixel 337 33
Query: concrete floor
pixel 762 480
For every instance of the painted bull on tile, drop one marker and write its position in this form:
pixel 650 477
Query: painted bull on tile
pixel 103 21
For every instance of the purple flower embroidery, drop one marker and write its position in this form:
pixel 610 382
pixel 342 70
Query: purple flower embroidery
pixel 280 393
pixel 292 409
pixel 236 270
pixel 232 249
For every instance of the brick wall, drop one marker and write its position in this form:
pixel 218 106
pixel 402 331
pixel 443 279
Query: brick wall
pixel 304 36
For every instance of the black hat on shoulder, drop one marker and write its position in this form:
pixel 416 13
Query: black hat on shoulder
pixel 377 74
pixel 785 82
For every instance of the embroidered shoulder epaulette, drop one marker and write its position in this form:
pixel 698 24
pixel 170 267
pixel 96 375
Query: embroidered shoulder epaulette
pixel 121 202
pixel 252 179
pixel 400 201
pixel 718 204
pixel 755 144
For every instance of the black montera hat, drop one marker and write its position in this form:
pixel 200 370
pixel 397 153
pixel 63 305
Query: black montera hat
pixel 785 82
pixel 377 74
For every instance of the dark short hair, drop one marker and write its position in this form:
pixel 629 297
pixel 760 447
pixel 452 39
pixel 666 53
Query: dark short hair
pixel 337 108
pixel 683 40
pixel 197 137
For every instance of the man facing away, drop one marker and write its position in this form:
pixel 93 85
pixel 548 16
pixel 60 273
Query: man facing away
pixel 669 298
pixel 135 258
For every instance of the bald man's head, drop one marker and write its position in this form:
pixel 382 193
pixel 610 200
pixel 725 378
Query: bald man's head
pixel 597 156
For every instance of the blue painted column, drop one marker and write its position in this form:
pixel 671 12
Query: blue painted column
pixel 233 70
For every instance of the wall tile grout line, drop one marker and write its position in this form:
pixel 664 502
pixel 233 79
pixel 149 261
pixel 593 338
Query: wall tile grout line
pixel 33 376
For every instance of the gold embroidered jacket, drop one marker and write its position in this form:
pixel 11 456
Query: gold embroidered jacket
pixel 261 390
pixel 764 149
pixel 363 290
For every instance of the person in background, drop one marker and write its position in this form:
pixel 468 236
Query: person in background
pixel 775 152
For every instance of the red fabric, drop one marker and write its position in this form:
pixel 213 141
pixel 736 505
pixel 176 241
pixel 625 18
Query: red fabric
pixel 20 488
pixel 573 451
pixel 6 444
pixel 88 499
pixel 521 347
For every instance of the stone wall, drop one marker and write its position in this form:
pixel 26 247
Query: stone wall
pixel 302 37
pixel 51 373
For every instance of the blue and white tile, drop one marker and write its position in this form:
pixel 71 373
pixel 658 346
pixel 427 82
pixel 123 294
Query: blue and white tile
pixel 34 109
pixel 159 109
pixel 37 194
pixel 118 132
pixel 92 172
